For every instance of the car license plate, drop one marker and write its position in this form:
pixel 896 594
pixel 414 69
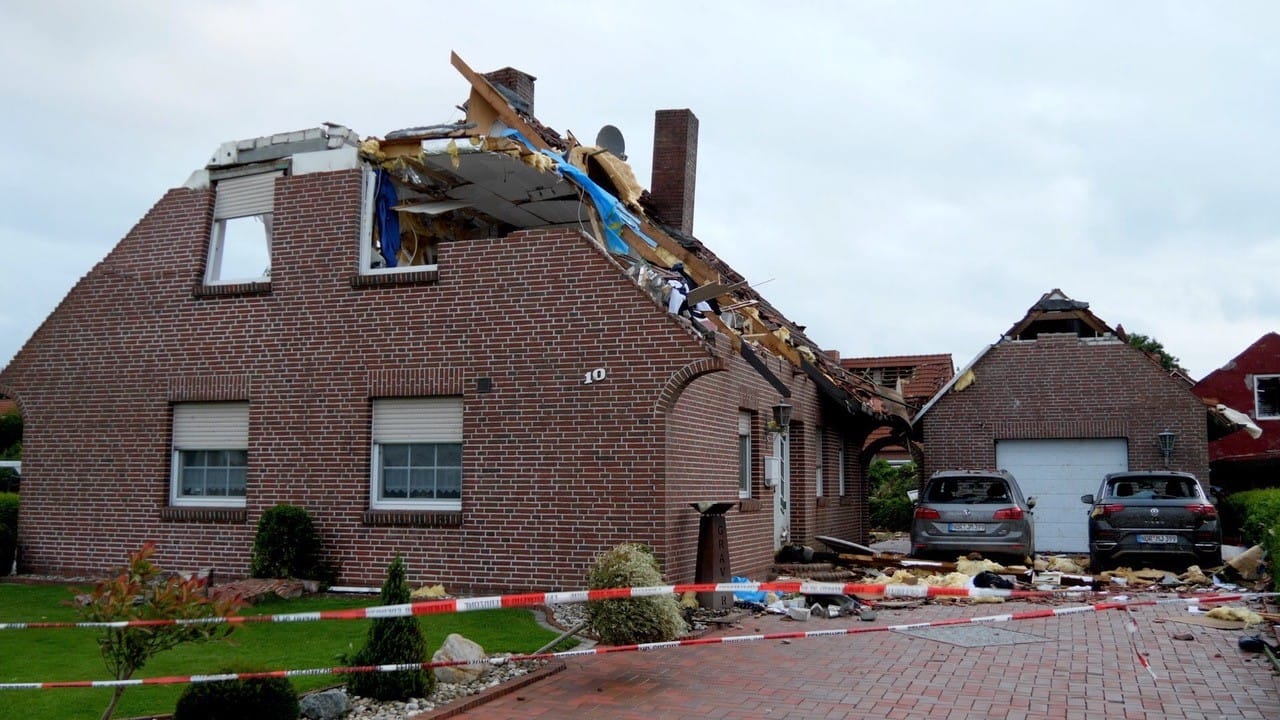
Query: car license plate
pixel 968 527
pixel 1158 539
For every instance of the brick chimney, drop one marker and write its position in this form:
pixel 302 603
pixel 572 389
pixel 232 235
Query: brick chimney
pixel 675 167
pixel 518 86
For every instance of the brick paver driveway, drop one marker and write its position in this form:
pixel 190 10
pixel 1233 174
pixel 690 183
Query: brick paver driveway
pixel 1085 669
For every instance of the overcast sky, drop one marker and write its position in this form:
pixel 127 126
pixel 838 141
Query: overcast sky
pixel 907 177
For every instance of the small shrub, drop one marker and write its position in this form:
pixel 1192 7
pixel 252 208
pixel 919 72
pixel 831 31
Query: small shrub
pixel 142 591
pixel 253 699
pixel 889 506
pixel 8 531
pixel 392 641
pixel 631 620
pixel 891 513
pixel 287 545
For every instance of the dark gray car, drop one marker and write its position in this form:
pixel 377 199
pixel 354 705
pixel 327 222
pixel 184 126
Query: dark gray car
pixel 1141 517
pixel 963 511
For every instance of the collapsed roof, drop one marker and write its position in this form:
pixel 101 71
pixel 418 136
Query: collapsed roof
pixel 499 170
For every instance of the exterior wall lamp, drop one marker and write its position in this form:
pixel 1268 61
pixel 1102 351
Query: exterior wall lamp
pixel 781 418
pixel 1165 440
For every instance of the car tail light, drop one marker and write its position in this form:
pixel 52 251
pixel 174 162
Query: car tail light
pixel 1010 513
pixel 1106 510
pixel 924 513
pixel 1208 512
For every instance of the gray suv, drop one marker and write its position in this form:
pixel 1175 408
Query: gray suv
pixel 1152 516
pixel 963 511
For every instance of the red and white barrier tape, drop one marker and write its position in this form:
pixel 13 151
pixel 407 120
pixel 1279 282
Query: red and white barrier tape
pixel 606 650
pixel 1132 627
pixel 436 607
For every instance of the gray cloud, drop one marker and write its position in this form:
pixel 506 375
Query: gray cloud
pixel 911 175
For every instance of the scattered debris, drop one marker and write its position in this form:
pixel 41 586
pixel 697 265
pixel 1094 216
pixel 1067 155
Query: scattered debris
pixel 1246 564
pixel 429 592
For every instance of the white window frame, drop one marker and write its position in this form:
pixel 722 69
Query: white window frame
pixel 745 458
pixel 239 198
pixel 1257 397
pixel 844 489
pixel 817 470
pixel 207 426
pixel 367 215
pixel 410 421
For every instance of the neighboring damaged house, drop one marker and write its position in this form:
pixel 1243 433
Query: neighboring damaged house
pixel 1060 401
pixel 478 345
pixel 1249 384
pixel 918 378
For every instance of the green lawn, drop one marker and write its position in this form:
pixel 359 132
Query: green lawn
pixel 48 655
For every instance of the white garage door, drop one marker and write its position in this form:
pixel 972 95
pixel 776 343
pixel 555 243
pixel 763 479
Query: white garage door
pixel 1057 473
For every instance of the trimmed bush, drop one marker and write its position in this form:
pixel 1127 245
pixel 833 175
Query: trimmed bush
pixel 889 506
pixel 392 641
pixel 254 699
pixel 632 620
pixel 287 545
pixel 8 531
pixel 1258 515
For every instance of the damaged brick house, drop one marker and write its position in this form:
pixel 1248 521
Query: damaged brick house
pixel 1247 388
pixel 917 378
pixel 1061 400
pixel 478 345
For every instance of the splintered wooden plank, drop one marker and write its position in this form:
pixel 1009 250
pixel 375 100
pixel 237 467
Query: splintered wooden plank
pixel 712 290
pixel 734 341
pixel 482 89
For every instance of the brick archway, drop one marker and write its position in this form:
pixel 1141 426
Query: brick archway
pixel 681 379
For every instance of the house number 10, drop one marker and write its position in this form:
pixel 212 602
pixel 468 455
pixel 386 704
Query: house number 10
pixel 594 376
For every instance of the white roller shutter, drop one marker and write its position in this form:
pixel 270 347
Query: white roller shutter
pixel 244 196
pixel 211 426
pixel 407 420
pixel 1057 473
pixel 744 423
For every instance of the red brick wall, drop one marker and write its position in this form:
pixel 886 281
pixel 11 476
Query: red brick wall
pixel 1064 387
pixel 1232 385
pixel 555 470
pixel 675 167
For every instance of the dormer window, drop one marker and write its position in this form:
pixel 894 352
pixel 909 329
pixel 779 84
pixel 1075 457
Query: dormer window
pixel 399 232
pixel 1266 392
pixel 240 246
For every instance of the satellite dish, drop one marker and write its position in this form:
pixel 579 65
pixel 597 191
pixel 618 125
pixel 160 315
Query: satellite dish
pixel 610 138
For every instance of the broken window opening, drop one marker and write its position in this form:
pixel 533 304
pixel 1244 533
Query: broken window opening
pixel 241 250
pixel 1266 389
pixel 402 226
pixel 890 376
pixel 240 242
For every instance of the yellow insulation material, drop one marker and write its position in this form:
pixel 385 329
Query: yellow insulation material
pixel 1066 565
pixel 1195 576
pixel 955 580
pixel 1234 613
pixel 618 171
pixel 372 148
pixel 977 567
pixel 538 161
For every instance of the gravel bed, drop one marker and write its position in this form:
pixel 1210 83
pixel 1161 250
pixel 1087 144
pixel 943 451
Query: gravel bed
pixel 366 709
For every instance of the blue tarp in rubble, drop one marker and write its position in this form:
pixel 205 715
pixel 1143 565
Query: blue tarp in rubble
pixel 613 215
pixel 751 596
pixel 388 220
